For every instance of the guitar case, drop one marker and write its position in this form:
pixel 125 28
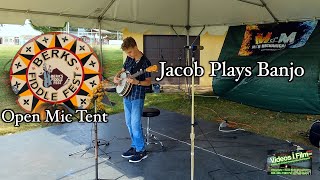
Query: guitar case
pixel 314 133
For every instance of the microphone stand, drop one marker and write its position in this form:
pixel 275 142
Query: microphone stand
pixel 96 141
pixel 192 135
pixel 96 144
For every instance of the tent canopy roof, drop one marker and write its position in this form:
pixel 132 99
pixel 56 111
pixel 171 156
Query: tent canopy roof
pixel 158 16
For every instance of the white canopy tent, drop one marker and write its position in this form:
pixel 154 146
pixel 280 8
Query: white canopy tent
pixel 158 16
pixel 183 17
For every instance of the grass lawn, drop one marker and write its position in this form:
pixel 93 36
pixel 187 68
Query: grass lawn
pixel 284 126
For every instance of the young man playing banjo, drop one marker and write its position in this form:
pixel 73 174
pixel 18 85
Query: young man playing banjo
pixel 134 101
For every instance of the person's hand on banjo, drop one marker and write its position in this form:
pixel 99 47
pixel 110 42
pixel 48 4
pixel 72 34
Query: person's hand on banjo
pixel 116 80
pixel 133 81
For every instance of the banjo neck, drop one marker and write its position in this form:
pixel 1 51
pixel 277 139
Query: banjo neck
pixel 138 73
pixel 124 88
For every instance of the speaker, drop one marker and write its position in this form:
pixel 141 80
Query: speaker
pixel 314 133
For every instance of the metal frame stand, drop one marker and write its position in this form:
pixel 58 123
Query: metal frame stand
pixel 149 135
pixel 96 145
pixel 101 142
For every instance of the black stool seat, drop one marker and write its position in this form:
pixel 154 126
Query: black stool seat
pixel 150 112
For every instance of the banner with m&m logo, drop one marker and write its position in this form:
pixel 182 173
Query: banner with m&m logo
pixel 267 38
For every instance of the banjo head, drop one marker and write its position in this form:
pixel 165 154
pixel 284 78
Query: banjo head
pixel 122 85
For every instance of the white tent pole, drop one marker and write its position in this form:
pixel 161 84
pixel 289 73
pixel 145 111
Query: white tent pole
pixel 253 3
pixel 269 11
pixel 192 135
pixel 187 64
pixel 99 20
pixel 106 9
pixel 100 38
pixel 67 28
pixel 188 52
pixel 263 4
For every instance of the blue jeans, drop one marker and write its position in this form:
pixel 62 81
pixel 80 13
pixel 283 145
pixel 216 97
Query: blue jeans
pixel 133 111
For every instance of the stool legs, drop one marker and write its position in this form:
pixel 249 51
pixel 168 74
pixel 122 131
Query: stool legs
pixel 149 135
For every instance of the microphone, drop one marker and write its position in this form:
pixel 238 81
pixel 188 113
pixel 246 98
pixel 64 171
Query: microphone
pixel 194 47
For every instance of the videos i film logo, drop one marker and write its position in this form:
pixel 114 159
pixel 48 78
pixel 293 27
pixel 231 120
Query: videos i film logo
pixel 55 68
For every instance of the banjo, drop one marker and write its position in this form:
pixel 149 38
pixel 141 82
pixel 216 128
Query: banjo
pixel 124 88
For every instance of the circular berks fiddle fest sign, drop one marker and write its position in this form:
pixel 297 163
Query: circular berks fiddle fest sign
pixel 55 68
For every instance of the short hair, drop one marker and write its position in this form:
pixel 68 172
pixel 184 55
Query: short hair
pixel 128 42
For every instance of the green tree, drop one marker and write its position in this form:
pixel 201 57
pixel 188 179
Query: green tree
pixel 46 29
pixel 113 36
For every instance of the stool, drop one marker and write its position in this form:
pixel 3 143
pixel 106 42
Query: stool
pixel 151 112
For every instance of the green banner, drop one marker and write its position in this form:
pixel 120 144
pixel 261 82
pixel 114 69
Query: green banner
pixel 301 95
